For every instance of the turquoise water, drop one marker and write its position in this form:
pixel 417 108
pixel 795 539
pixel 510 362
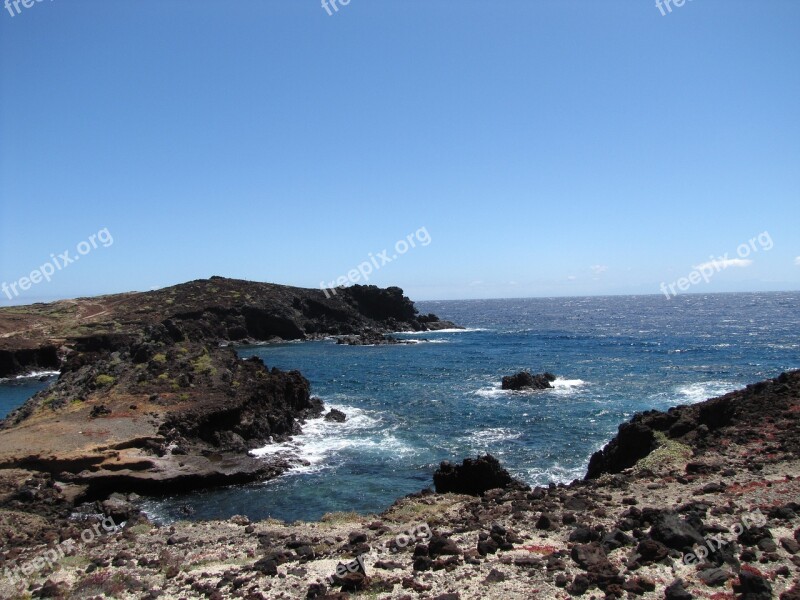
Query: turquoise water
pixel 411 406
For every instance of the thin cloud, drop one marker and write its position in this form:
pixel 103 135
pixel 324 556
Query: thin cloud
pixel 724 263
pixel 797 261
pixel 599 269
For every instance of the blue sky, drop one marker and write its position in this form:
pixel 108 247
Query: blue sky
pixel 547 148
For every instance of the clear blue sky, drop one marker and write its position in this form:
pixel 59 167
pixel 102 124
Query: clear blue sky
pixel 548 148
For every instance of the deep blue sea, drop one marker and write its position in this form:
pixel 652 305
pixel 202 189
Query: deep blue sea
pixel 411 406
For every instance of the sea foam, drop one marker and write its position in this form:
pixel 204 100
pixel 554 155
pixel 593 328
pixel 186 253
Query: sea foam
pixel 311 451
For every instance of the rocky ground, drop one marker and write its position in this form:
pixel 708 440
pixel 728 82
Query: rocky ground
pixel 698 502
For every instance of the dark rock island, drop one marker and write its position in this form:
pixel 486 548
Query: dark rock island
pixel 525 381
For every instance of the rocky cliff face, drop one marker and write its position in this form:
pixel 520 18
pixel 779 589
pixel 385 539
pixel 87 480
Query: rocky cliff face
pixel 764 410
pixel 22 360
pixel 216 309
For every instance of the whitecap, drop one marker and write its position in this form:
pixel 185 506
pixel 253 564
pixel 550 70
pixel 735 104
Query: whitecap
pixel 560 386
pixel 697 392
pixel 491 392
pixel 32 375
pixel 437 331
pixel 37 374
pixel 310 451
pixel 555 473
pixel 492 435
pixel 567 385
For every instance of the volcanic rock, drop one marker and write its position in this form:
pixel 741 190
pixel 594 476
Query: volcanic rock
pixel 474 476
pixel 524 380
pixel 336 416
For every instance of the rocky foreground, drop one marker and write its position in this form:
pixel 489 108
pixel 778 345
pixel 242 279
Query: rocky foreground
pixel 697 502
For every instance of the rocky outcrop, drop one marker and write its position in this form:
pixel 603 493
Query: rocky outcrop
pixel 336 416
pixel 15 361
pixel 432 323
pixel 370 339
pixel 701 426
pixel 524 381
pixel 213 310
pixel 634 441
pixel 156 415
pixel 384 305
pixel 473 476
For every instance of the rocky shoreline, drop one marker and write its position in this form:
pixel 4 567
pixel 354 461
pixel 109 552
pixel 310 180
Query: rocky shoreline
pixel 707 509
pixel 155 399
pixel 696 502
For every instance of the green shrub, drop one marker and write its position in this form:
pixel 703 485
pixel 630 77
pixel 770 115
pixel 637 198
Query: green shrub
pixel 104 380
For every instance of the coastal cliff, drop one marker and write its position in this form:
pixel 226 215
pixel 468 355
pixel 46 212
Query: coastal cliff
pixel 216 310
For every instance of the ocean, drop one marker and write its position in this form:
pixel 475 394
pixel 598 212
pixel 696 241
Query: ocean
pixel 411 406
